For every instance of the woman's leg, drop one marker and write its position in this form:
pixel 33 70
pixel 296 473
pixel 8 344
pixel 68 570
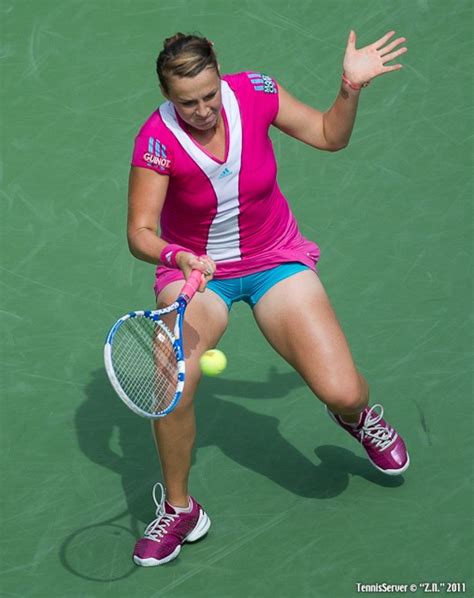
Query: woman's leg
pixel 296 317
pixel 205 321
pixel 307 334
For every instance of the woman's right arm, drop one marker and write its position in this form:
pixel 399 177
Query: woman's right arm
pixel 146 196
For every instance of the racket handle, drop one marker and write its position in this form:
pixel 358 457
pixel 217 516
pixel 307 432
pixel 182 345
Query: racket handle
pixel 191 285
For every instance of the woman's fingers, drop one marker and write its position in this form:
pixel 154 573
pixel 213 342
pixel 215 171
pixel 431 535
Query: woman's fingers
pixel 389 57
pixel 383 40
pixel 207 267
pixel 391 46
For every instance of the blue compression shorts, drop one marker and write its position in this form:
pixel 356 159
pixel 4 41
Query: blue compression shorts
pixel 252 287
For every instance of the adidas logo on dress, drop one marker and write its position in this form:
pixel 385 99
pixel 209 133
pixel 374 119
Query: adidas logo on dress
pixel 224 173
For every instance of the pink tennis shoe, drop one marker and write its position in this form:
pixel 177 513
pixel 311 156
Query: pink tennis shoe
pixel 385 447
pixel 165 535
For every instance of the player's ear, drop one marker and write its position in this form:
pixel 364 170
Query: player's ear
pixel 163 92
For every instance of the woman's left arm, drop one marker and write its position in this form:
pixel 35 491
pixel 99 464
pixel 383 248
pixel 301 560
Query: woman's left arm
pixel 331 130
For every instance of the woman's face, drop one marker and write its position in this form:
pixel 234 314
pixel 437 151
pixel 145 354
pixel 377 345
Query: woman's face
pixel 197 99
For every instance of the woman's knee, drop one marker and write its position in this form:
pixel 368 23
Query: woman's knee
pixel 346 396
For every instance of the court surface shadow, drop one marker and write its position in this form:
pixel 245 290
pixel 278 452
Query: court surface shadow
pixel 115 438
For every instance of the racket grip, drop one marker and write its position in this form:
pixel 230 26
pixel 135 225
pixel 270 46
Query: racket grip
pixel 191 285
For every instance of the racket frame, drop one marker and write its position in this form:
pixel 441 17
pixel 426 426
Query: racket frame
pixel 179 306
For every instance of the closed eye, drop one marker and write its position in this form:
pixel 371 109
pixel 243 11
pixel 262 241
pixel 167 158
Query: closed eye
pixel 210 96
pixel 207 98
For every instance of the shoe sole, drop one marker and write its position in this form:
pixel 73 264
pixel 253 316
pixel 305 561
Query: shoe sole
pixel 385 471
pixel 392 471
pixel 201 529
pixel 155 562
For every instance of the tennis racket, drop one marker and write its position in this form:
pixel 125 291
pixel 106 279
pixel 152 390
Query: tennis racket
pixel 144 358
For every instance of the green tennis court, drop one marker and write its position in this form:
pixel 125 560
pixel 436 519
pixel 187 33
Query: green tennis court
pixel 297 509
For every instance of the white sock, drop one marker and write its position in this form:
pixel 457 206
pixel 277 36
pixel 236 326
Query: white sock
pixel 350 424
pixel 187 509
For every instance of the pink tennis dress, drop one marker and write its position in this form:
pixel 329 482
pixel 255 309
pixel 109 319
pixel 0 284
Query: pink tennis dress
pixel 231 210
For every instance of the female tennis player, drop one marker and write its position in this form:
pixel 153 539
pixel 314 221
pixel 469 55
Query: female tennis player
pixel 203 167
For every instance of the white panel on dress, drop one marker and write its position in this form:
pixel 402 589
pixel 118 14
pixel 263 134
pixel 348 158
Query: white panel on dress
pixel 223 242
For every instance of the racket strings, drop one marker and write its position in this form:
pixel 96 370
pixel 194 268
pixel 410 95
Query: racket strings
pixel 145 363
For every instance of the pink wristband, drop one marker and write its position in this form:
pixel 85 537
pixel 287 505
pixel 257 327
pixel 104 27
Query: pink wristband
pixel 168 255
pixel 354 86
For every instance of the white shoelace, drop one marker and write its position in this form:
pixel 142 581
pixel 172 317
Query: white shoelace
pixel 157 528
pixel 381 436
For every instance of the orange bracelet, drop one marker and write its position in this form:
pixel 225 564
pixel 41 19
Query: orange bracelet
pixel 354 86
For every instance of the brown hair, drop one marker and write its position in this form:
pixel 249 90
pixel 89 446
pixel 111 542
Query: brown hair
pixel 184 56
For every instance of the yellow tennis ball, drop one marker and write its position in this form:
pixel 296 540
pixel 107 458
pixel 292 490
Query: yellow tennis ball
pixel 213 362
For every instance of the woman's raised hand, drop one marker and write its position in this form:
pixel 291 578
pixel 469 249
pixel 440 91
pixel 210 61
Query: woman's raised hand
pixel 363 65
